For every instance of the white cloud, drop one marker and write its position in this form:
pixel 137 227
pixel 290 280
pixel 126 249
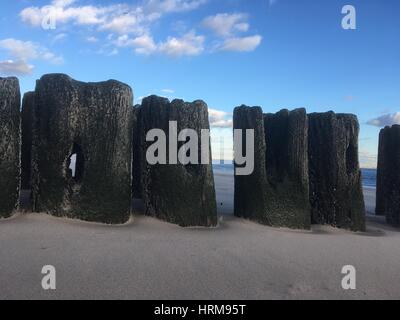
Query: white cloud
pixel 243 44
pixel 121 18
pixel 27 50
pixel 367 159
pixel 168 91
pixel 15 68
pixel 188 45
pixel 129 25
pixel 51 57
pixel 106 51
pixel 144 44
pixel 385 120
pixel 166 6
pixel 125 23
pixel 123 41
pixel 242 27
pixel 219 119
pixel 19 49
pixel 59 37
pixel 84 15
pixel 62 3
pixel 92 39
pixel 228 26
pixel 225 24
pixel 221 134
pixel 32 15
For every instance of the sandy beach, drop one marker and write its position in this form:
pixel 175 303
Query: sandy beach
pixel 150 259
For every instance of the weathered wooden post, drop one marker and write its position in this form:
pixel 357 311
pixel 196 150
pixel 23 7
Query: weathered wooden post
pixel 251 190
pixel 335 177
pixel 82 149
pixel 388 179
pixel 10 144
pixel 178 193
pixel 276 192
pixel 286 134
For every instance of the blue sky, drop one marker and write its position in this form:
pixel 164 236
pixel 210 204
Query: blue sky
pixel 275 54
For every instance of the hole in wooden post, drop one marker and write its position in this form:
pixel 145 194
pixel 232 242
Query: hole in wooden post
pixel 76 163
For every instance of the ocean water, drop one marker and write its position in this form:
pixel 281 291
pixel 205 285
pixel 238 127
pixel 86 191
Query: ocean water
pixel 368 175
